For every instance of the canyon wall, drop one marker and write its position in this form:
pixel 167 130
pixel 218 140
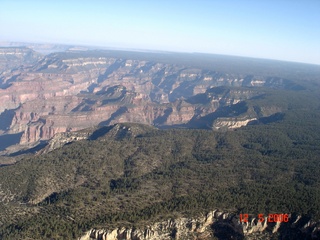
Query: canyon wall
pixel 64 92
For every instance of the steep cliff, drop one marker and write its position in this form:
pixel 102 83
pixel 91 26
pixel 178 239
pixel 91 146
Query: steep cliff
pixel 218 224
pixel 64 92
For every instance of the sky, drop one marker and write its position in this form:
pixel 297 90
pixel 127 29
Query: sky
pixel 273 29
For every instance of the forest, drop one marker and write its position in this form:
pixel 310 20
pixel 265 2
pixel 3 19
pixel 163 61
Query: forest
pixel 131 174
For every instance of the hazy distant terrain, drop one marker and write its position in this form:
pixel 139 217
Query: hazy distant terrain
pixel 106 139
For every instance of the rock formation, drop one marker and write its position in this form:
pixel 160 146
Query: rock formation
pixel 64 92
pixel 216 223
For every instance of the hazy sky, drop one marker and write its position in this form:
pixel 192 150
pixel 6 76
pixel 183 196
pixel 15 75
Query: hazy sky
pixel 276 29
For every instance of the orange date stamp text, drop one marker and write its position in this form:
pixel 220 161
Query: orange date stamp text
pixel 272 217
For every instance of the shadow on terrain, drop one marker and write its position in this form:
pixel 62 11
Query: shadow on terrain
pixel 33 150
pixel 9 82
pixel 161 120
pixel 227 111
pixel 223 231
pixel 265 120
pixel 9 139
pixel 110 70
pixel 114 115
pixel 6 119
pixel 100 132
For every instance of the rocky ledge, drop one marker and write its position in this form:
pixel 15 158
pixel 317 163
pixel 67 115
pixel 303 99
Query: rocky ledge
pixel 214 225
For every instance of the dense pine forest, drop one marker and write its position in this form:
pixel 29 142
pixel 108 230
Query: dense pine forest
pixel 132 174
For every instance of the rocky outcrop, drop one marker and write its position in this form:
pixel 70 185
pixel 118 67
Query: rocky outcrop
pixel 231 123
pixel 216 223
pixel 63 138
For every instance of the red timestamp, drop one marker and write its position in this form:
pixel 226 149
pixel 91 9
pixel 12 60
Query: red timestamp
pixel 272 217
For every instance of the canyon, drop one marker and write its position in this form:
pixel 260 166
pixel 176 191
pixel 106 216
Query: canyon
pixel 68 91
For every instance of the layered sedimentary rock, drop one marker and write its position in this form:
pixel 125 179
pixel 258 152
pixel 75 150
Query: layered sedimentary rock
pixel 64 92
pixel 13 57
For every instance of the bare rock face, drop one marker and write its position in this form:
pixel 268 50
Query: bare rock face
pixel 215 223
pixel 65 92
pixel 232 123
pixel 61 139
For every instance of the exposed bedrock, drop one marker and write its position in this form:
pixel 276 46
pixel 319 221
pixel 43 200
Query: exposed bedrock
pixel 64 92
pixel 222 225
